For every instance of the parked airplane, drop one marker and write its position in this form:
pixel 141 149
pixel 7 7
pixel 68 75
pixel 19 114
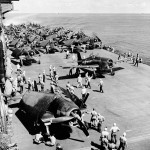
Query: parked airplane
pixel 93 64
pixel 48 108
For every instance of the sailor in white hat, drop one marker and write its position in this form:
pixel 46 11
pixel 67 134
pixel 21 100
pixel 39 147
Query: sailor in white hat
pixel 101 85
pixel 114 129
pixel 123 142
pixel 105 133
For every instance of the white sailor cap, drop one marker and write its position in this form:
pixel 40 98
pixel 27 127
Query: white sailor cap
pixel 114 124
pixel 105 129
pixel 124 134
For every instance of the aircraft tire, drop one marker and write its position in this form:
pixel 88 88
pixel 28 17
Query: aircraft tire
pixel 112 73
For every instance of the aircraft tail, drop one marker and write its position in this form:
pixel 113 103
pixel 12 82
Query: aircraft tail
pixel 79 59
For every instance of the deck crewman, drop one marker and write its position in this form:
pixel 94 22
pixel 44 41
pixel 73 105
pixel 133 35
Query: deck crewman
pixel 93 117
pixel 114 129
pixel 83 92
pixel 123 142
pixel 79 80
pixel 100 120
pixel 137 60
pixel 101 85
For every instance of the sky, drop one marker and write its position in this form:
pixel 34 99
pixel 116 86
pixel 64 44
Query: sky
pixel 82 6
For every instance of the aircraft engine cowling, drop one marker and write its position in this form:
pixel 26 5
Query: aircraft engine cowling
pixel 62 107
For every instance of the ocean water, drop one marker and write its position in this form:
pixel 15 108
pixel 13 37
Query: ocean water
pixel 124 32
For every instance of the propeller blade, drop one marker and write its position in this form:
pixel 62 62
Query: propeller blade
pixel 83 127
pixel 50 118
pixel 61 119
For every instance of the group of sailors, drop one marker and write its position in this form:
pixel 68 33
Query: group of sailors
pixel 32 84
pixel 129 56
pixel 88 82
pixel 107 142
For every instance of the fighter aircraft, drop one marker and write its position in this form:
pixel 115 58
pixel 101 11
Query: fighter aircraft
pixel 50 108
pixel 93 64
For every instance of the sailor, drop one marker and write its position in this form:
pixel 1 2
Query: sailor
pixel 119 56
pixel 21 86
pixel 54 71
pixel 100 120
pixel 101 85
pixel 29 84
pixel 32 85
pixel 42 86
pixel 89 81
pixel 35 86
pixel 133 59
pixel 51 140
pixel 38 138
pixel 123 142
pixel 84 47
pixel 79 80
pixel 58 147
pixel 114 129
pixel 68 86
pixel 15 85
pixel 50 71
pixel 105 133
pixel 24 77
pixel 71 89
pixel 44 76
pixel 104 143
pixel 129 54
pixel 67 54
pixel 83 92
pixel 112 146
pixel 52 87
pixel 40 78
pixel 93 117
pixel 47 48
pixel 19 78
pixel 86 79
pixel 56 78
pixel 137 60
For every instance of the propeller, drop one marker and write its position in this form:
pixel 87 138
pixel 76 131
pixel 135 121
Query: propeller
pixel 52 119
pixel 61 119
pixel 83 127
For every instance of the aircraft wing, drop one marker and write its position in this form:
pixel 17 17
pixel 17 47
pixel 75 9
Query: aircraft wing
pixel 81 66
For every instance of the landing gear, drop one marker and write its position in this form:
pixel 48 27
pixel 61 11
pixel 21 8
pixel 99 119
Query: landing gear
pixel 112 73
pixel 94 75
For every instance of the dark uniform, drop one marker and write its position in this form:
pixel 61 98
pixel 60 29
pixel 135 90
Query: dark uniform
pixel 137 61
pixel 123 142
pixel 101 86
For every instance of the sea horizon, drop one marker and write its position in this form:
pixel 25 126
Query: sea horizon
pixel 123 31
